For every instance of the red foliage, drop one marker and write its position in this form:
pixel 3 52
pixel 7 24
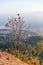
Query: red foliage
pixel 7 25
pixel 18 14
pixel 19 17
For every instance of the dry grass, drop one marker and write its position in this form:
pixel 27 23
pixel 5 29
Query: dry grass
pixel 8 59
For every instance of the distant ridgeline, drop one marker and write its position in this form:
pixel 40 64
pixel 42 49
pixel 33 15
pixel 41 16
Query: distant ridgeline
pixel 6 38
pixel 5 30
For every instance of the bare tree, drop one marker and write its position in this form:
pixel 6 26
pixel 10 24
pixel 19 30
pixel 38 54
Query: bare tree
pixel 16 24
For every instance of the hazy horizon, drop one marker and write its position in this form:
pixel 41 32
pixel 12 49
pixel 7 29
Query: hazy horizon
pixel 31 10
pixel 33 20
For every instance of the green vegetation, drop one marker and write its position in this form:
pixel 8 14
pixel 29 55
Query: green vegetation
pixel 25 51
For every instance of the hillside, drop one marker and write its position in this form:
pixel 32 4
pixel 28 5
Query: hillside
pixel 8 59
pixel 25 49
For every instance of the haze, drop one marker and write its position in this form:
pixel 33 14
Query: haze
pixel 32 11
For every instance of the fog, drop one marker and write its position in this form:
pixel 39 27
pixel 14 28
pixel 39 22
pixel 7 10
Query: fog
pixel 34 20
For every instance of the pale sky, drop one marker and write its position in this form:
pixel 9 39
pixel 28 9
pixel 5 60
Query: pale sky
pixel 23 6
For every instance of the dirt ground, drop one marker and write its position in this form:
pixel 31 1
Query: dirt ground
pixel 8 59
